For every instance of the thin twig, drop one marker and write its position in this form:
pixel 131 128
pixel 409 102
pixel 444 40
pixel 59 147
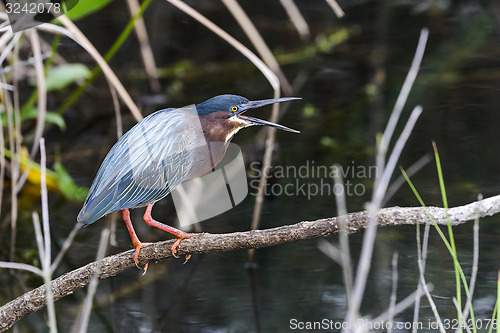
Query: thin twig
pixel 45 206
pixel 41 89
pixel 45 248
pixel 21 267
pixel 10 46
pixel 264 176
pixel 330 250
pixel 403 305
pixel 422 256
pixel 144 46
pixel 423 284
pixel 258 42
pixel 402 98
pixel 83 322
pixel 462 325
pixel 392 305
pixel 473 274
pixel 336 8
pixel 14 162
pixel 344 235
pixel 116 107
pixel 388 170
pixel 297 19
pixel 400 181
pixel 65 246
pixel 268 73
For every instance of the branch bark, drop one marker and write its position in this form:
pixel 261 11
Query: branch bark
pixel 204 243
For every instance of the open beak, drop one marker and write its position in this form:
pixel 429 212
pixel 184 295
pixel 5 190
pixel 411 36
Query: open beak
pixel 257 104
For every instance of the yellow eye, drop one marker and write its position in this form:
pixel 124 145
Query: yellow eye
pixel 234 108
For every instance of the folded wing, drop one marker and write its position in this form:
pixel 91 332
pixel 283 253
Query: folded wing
pixel 145 165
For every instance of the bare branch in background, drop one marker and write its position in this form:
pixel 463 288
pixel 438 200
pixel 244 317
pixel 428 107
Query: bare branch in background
pixel 473 275
pixel 81 325
pixel 43 239
pixel 336 8
pixel 268 73
pixel 296 18
pixel 422 261
pixel 145 47
pixel 41 89
pixel 400 181
pixel 341 202
pixel 65 246
pixel 258 42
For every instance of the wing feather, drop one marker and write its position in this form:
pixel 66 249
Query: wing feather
pixel 146 163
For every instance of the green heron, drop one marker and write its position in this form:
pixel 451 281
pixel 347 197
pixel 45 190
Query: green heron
pixel 163 150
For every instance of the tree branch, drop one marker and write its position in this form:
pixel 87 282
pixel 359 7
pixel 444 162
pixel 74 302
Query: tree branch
pixel 205 243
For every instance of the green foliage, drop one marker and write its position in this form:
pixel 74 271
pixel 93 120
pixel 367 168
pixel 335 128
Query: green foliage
pixel 50 117
pixel 32 113
pixel 308 110
pixel 61 76
pixel 57 179
pixel 67 186
pixel 86 7
pixel 57 78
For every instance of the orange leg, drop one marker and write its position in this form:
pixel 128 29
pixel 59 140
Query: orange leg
pixel 135 240
pixel 176 232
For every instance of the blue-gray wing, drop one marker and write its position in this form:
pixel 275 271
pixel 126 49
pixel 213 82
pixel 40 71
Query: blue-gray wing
pixel 145 165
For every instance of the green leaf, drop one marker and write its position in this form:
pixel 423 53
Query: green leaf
pixel 85 7
pixel 60 76
pixel 50 117
pixel 69 189
pixel 308 110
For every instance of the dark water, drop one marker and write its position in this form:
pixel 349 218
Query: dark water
pixel 348 90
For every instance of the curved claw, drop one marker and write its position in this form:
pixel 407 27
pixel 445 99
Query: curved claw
pixel 138 247
pixel 176 244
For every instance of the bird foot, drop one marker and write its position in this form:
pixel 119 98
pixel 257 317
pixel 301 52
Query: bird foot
pixel 138 246
pixel 176 244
